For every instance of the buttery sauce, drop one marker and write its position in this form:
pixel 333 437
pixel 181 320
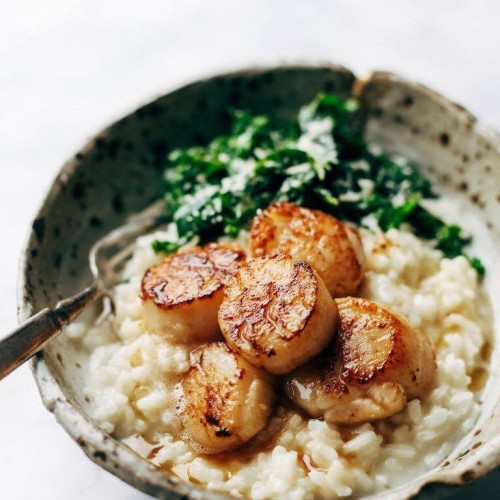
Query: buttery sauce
pixel 486 351
pixel 142 446
pixel 478 378
pixel 232 461
pixel 479 375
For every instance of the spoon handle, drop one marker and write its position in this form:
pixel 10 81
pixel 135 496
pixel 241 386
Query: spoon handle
pixel 33 334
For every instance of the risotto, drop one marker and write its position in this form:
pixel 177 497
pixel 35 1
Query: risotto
pixel 133 376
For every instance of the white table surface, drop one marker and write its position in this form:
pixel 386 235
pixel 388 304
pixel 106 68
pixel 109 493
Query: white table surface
pixel 68 68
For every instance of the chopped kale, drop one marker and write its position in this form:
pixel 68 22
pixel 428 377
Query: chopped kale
pixel 477 265
pixel 165 246
pixel 450 240
pixel 392 217
pixel 320 160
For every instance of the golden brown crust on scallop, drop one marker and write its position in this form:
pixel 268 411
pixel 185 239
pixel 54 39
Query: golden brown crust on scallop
pixel 331 247
pixel 374 342
pixel 269 305
pixel 219 391
pixel 216 387
pixel 376 362
pixel 190 274
pixel 362 325
pixel 259 299
pixel 262 235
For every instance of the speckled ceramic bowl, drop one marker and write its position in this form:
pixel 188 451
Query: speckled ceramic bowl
pixel 119 171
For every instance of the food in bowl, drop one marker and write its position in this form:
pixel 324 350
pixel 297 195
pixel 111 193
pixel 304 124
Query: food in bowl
pixel 277 313
pixel 376 364
pixel 306 327
pixel 182 294
pixel 225 401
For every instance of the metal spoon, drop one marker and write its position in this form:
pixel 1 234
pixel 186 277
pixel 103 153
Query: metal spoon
pixel 106 258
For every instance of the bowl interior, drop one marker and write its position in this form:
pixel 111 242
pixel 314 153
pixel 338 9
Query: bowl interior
pixel 119 173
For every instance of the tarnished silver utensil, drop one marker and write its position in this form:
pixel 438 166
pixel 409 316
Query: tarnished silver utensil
pixel 106 259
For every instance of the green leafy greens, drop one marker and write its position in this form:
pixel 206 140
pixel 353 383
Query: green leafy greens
pixel 319 161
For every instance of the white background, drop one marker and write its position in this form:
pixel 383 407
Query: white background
pixel 68 68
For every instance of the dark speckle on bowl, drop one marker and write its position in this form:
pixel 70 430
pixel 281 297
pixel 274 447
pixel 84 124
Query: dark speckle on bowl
pixel 57 260
pixel 117 203
pixel 78 191
pixel 468 475
pixel 475 198
pixel 444 138
pixel 100 455
pixel 39 229
pixel 95 221
pixel 408 101
pixel 81 442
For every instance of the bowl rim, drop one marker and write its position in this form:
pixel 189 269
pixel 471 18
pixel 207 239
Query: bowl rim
pixel 121 461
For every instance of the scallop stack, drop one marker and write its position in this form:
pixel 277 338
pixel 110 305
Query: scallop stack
pixel 285 318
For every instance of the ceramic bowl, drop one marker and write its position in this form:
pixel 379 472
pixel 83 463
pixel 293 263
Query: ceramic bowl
pixel 119 172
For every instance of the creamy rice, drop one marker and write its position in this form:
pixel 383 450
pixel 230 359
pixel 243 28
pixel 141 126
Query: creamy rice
pixel 132 375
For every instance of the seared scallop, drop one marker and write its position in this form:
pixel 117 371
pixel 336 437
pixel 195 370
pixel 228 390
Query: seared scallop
pixel 332 248
pixel 277 313
pixel 181 295
pixel 225 400
pixel 376 363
